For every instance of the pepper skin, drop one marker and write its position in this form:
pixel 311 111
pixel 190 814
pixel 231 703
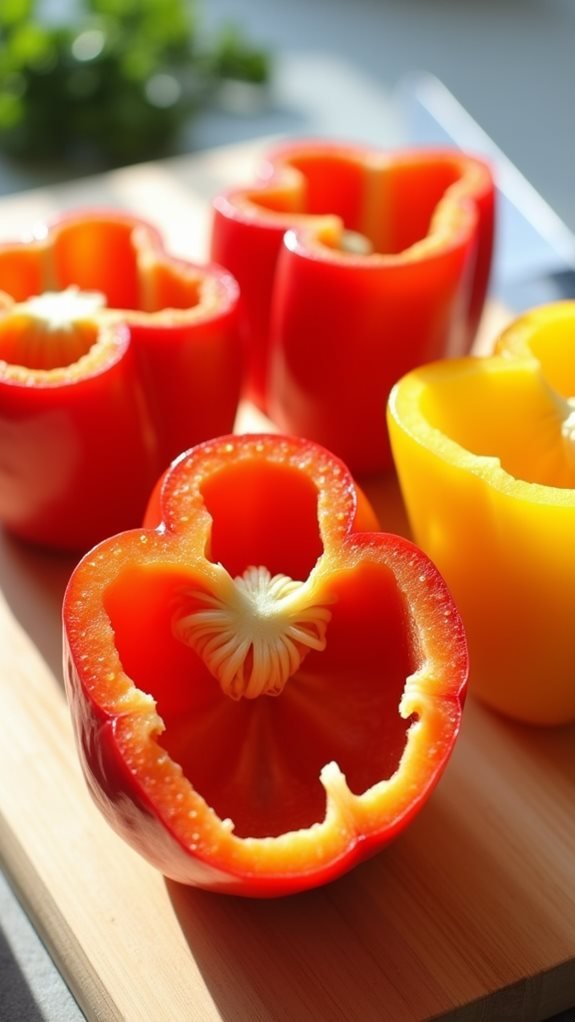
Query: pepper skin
pixel 114 357
pixel 485 452
pixel 384 266
pixel 263 692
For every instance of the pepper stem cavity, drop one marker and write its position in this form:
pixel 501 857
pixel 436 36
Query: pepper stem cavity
pixel 355 243
pixel 255 633
pixel 50 330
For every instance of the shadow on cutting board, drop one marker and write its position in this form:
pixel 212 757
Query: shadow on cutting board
pixel 16 1000
pixel 33 583
pixel 470 906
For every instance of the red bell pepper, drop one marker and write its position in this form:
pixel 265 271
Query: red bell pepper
pixel 114 357
pixel 384 267
pixel 263 692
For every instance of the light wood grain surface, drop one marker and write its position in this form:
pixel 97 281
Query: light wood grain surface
pixel 470 915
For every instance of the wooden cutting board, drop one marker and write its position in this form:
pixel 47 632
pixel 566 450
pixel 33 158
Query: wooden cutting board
pixel 470 915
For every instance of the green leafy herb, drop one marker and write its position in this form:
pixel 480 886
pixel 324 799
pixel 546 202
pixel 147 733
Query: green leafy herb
pixel 113 85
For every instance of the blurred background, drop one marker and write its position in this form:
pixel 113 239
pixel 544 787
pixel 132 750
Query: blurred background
pixel 86 84
pixel 509 62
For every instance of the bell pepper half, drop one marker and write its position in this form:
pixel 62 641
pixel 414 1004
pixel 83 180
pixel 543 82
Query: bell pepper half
pixel 355 266
pixel 114 357
pixel 263 692
pixel 485 452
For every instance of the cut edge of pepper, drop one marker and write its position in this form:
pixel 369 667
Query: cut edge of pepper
pixel 351 821
pixel 453 221
pixel 212 289
pixel 81 344
pixel 404 413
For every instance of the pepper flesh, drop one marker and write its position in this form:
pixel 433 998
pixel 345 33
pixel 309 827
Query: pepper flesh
pixel 384 266
pixel 485 452
pixel 114 356
pixel 221 777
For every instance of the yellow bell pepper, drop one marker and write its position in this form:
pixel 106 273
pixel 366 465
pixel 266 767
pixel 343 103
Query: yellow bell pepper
pixel 485 454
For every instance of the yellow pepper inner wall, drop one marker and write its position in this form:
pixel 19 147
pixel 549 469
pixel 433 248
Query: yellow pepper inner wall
pixel 506 410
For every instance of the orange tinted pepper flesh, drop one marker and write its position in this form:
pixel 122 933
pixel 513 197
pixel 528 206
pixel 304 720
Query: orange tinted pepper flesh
pixel 261 795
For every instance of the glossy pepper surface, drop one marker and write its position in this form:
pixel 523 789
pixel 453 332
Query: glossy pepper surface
pixel 485 451
pixel 355 266
pixel 114 357
pixel 263 692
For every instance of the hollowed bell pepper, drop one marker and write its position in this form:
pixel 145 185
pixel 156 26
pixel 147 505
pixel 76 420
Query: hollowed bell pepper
pixel 485 451
pixel 384 266
pixel 263 693
pixel 114 357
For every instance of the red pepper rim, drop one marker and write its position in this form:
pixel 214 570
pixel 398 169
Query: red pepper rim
pixel 218 295
pixel 453 222
pixel 353 825
pixel 209 306
pixel 111 344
